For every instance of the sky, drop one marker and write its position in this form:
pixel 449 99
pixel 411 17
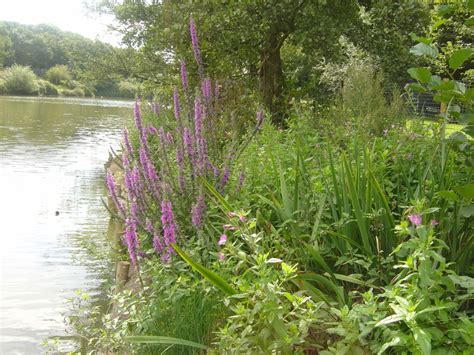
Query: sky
pixel 68 15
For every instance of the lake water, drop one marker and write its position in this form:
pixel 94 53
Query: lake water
pixel 52 154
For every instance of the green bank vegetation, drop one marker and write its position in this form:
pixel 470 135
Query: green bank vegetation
pixel 306 210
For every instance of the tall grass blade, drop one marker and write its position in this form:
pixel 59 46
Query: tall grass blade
pixel 209 275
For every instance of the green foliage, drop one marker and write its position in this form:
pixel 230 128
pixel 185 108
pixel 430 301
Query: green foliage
pixel 77 92
pixel 421 311
pixel 47 89
pixel 58 74
pixel 20 80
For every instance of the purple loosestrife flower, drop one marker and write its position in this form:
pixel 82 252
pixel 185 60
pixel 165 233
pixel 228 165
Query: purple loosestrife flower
pixel 197 212
pixel 188 143
pixel 157 245
pixel 195 44
pixel 131 239
pixel 221 256
pixel 222 240
pixel 125 161
pixel 168 223
pixel 126 142
pixel 214 169
pixel 139 125
pixel 169 138
pixel 113 193
pixel 206 89
pixel 134 211
pixel 184 77
pixel 415 219
pixel 434 222
pixel 152 130
pixel 260 117
pixel 241 181
pixel 225 177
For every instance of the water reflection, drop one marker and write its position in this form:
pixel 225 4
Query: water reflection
pixel 52 153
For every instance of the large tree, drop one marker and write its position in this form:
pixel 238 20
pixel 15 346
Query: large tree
pixel 242 40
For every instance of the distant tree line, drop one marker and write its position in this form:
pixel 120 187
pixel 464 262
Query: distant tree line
pixel 64 63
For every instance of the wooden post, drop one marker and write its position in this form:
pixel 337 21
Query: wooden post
pixel 121 273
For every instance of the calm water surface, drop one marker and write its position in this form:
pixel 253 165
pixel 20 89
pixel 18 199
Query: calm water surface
pixel 52 153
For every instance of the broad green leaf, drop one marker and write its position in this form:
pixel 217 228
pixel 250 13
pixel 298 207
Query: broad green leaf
pixel 390 319
pixel 459 57
pixel 423 340
pixel 467 211
pixel 423 75
pixel 159 340
pixel 448 195
pixel 469 21
pixel 394 342
pixel 466 191
pixel 424 49
pixel 212 277
pixel 420 39
pixel 444 10
pixel 416 87
pixel 438 23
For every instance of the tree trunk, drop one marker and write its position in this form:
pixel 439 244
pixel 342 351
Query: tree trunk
pixel 272 79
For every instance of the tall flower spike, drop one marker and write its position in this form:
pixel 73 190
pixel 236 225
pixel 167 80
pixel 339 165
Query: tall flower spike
pixel 168 223
pixel 195 44
pixel 131 239
pixel 197 212
pixel 113 193
pixel 126 141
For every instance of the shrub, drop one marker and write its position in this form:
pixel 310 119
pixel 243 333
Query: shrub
pixel 2 86
pixel 77 92
pixel 47 89
pixel 128 88
pixel 20 80
pixel 58 74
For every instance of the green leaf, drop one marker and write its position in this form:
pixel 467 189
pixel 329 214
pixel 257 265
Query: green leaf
pixel 467 211
pixel 438 23
pixel 416 87
pixel 394 342
pixel 466 191
pixel 224 205
pixel 212 277
pixel 423 340
pixel 448 195
pixel 157 340
pixel 390 319
pixel 459 57
pixel 423 75
pixel 424 49
pixel 469 21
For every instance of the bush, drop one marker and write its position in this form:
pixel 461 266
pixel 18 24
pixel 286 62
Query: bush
pixel 77 92
pixel 58 74
pixel 20 80
pixel 2 86
pixel 47 89
pixel 129 89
